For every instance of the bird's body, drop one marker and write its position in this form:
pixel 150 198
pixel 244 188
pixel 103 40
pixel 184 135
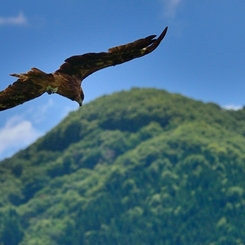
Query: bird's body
pixel 66 81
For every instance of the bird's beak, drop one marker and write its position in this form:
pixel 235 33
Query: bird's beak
pixel 79 101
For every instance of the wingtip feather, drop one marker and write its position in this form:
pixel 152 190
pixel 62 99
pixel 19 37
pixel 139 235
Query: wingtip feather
pixel 156 42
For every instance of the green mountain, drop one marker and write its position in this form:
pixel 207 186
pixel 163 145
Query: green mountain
pixel 138 167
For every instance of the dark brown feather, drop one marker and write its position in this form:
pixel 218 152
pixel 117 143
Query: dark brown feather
pixel 81 66
pixel 67 79
pixel 29 86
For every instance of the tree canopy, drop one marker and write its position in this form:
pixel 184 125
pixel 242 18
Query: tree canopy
pixel 136 167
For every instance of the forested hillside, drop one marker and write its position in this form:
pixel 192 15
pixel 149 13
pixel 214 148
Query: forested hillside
pixel 137 167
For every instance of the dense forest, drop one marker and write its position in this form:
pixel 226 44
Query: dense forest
pixel 137 167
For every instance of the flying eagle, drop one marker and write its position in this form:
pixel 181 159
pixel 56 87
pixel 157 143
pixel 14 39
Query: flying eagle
pixel 66 81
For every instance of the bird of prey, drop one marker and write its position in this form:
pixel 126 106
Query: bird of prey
pixel 66 81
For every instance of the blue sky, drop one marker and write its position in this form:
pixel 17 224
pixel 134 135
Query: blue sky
pixel 202 55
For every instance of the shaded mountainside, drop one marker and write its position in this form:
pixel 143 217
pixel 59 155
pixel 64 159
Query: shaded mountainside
pixel 136 167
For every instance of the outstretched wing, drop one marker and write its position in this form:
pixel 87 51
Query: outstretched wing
pixel 27 87
pixel 81 66
pixel 35 82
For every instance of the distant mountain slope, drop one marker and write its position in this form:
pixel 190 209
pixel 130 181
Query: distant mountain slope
pixel 136 167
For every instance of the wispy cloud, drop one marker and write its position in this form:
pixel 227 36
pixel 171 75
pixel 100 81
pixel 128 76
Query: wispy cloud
pixel 19 19
pixel 23 129
pixel 232 107
pixel 16 134
pixel 171 7
pixel 41 112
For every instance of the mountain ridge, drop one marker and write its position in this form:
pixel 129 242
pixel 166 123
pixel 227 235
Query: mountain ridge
pixel 140 167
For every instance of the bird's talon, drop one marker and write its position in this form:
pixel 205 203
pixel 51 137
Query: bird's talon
pixel 51 90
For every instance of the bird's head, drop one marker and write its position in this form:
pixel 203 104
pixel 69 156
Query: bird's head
pixel 80 98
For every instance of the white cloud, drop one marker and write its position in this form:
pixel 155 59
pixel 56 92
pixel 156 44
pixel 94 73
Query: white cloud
pixel 232 107
pixel 171 7
pixel 20 19
pixel 46 107
pixel 23 129
pixel 16 134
